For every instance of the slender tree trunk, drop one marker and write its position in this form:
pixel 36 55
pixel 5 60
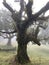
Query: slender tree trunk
pixel 9 42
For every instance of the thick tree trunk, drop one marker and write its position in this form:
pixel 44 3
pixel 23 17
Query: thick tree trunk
pixel 22 56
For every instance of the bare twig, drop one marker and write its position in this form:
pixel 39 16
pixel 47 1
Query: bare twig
pixel 8 32
pixel 43 18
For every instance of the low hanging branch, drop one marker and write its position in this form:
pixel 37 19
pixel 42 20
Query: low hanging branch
pixel 8 36
pixel 8 32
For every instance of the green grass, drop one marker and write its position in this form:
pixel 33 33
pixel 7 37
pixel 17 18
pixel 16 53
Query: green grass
pixel 38 55
pixel 5 57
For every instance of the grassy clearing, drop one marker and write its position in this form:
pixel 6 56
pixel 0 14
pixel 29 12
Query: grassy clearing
pixel 5 57
pixel 38 56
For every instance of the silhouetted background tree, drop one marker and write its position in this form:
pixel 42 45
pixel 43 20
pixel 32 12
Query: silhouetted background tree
pixel 6 25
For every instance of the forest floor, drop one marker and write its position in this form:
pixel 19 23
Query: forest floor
pixel 39 55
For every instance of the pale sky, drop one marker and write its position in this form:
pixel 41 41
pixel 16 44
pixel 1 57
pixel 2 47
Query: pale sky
pixel 38 4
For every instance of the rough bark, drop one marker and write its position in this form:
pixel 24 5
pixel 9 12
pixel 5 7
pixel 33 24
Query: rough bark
pixel 22 55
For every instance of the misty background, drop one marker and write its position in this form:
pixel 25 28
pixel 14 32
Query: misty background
pixel 36 7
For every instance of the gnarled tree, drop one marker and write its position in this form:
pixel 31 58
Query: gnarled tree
pixel 22 25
